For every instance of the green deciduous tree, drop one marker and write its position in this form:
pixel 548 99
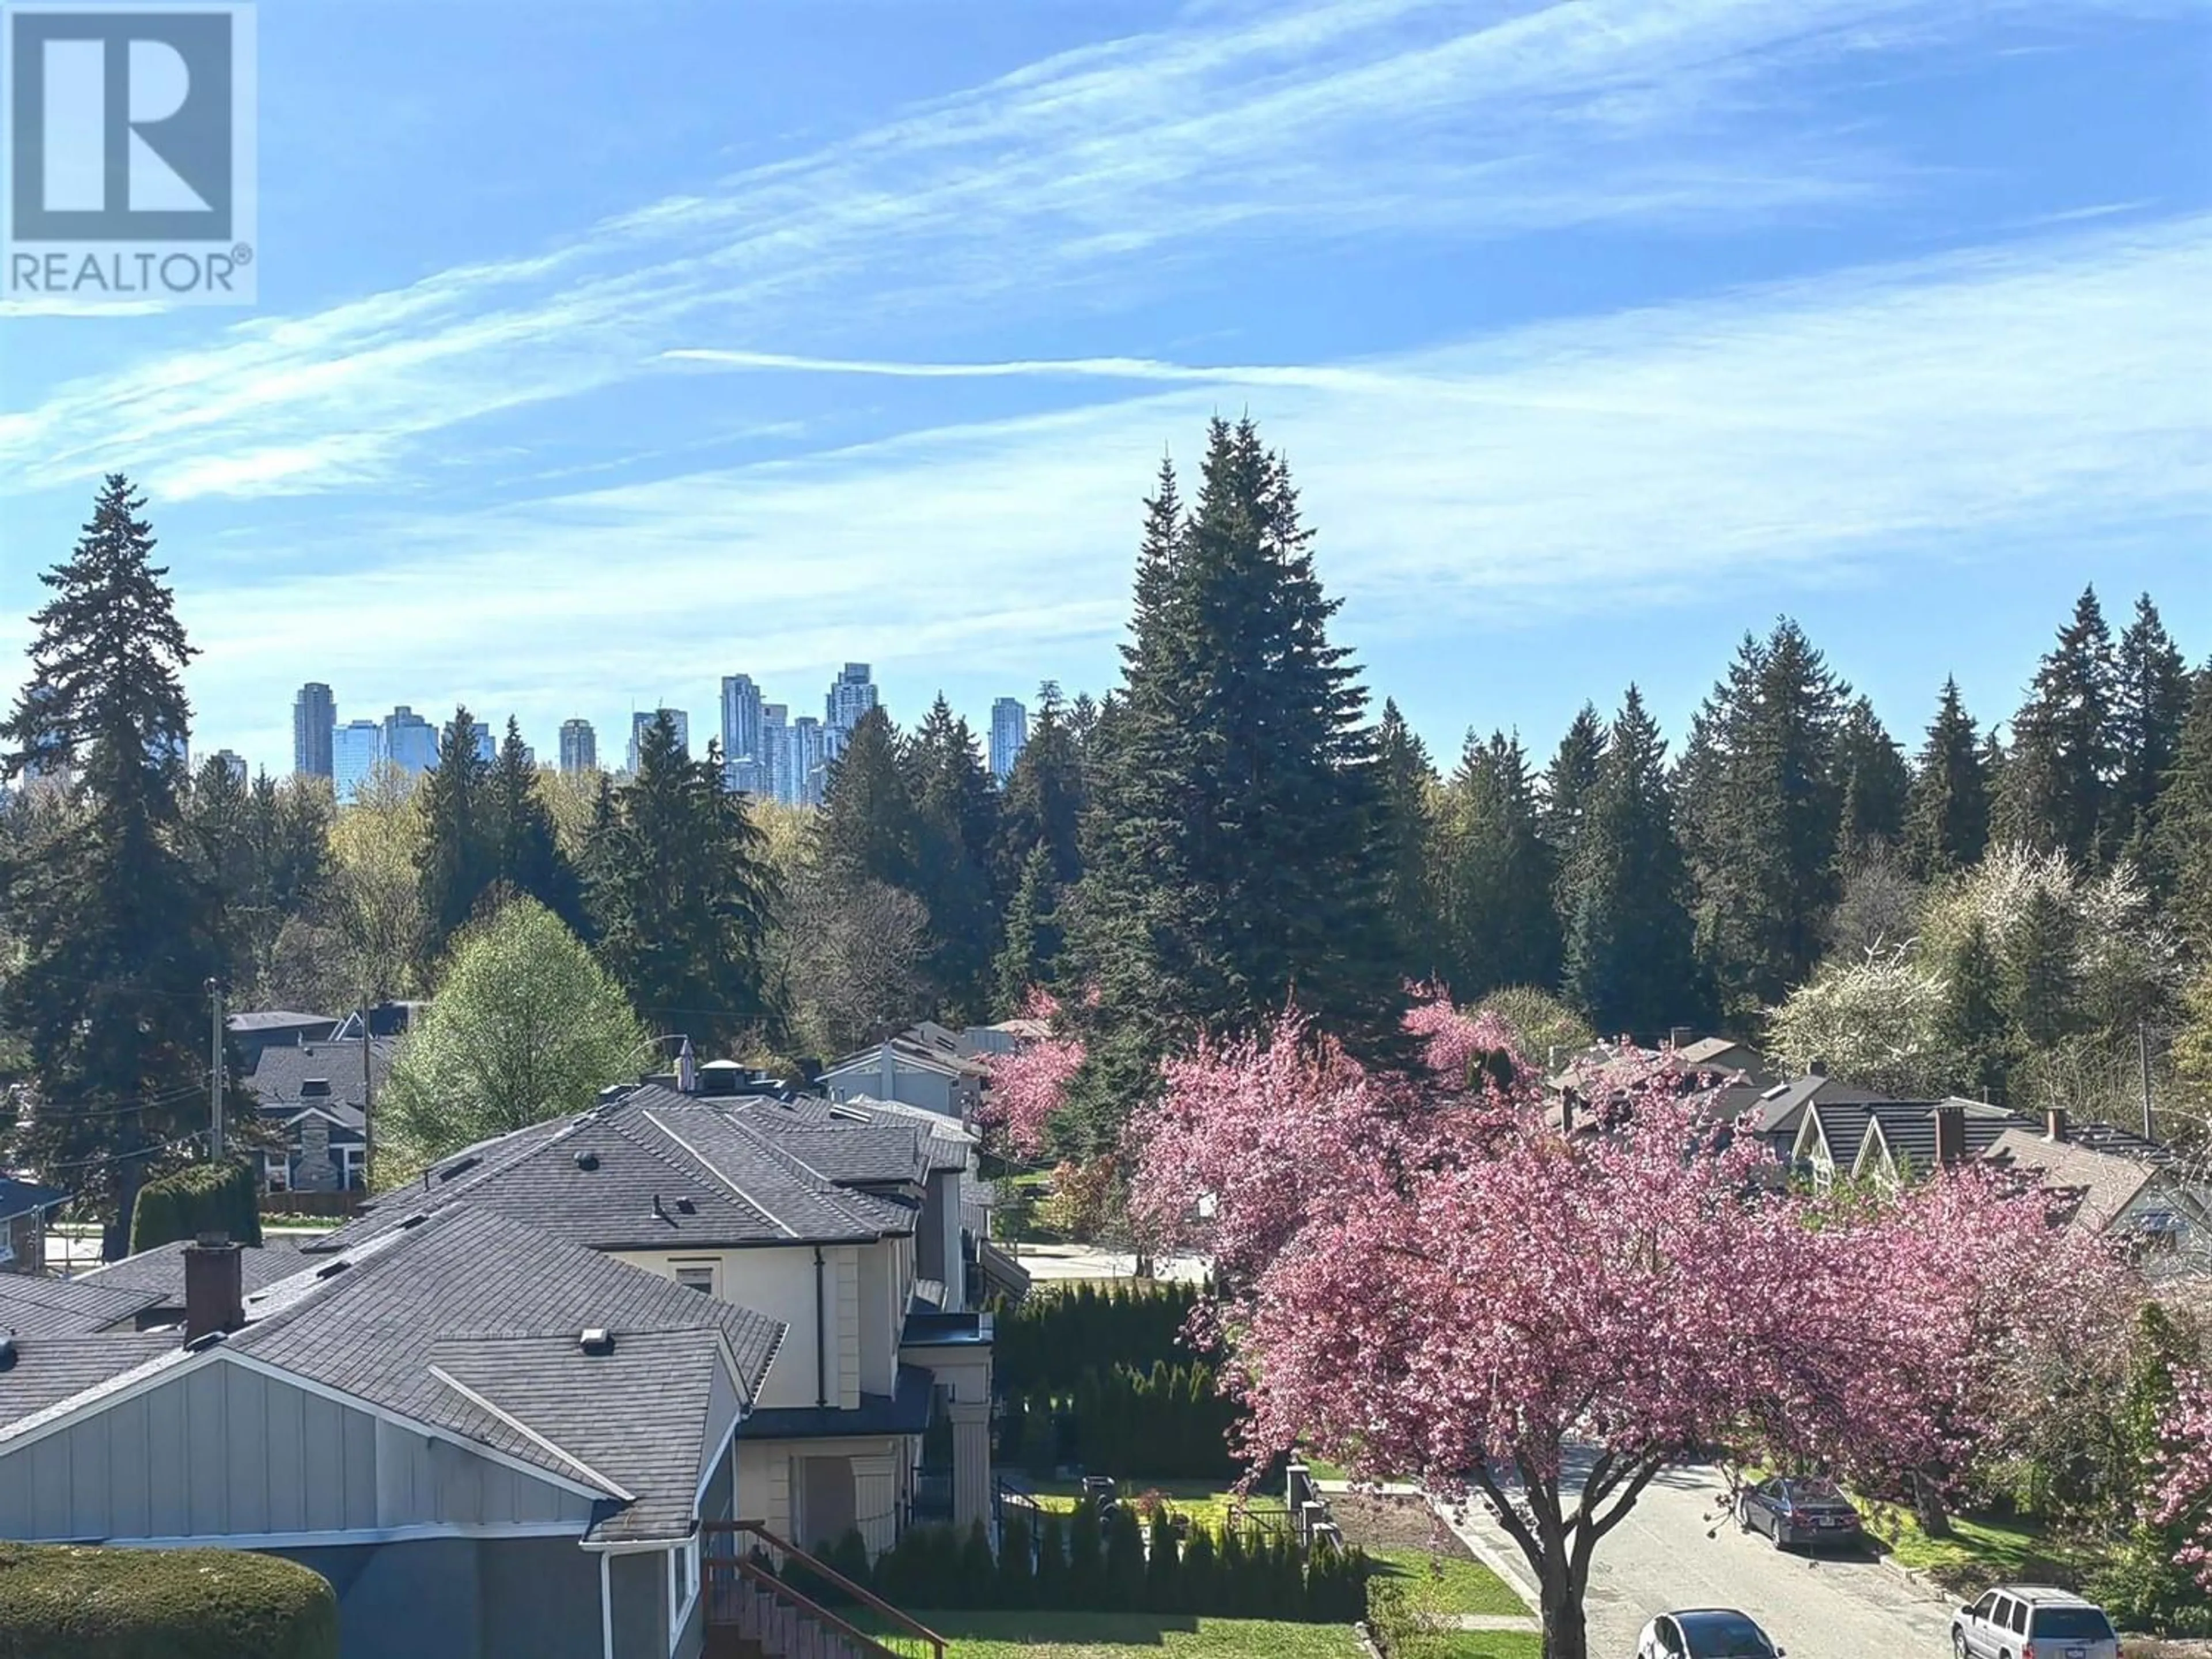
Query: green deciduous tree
pixel 525 1025
pixel 111 925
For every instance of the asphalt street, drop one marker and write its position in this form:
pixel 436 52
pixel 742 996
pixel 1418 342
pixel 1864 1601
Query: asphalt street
pixel 1676 1549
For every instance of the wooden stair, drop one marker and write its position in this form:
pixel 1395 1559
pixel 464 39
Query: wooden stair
pixel 753 1612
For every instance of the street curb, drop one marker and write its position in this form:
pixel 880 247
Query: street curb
pixel 1919 1580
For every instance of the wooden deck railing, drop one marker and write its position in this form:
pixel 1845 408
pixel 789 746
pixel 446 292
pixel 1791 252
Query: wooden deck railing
pixel 749 1570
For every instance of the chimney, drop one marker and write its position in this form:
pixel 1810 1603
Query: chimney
pixel 687 1069
pixel 1950 1136
pixel 2054 1124
pixel 1816 1067
pixel 214 1294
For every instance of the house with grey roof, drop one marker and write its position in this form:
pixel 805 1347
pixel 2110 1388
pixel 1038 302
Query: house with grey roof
pixel 24 1207
pixel 924 1066
pixel 253 1029
pixel 1904 1141
pixel 2116 1184
pixel 840 1219
pixel 317 1093
pixel 491 1441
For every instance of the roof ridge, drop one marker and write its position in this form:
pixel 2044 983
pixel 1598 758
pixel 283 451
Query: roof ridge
pixel 832 1194
pixel 532 1435
pixel 719 1173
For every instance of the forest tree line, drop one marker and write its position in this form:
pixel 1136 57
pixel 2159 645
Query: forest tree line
pixel 1230 828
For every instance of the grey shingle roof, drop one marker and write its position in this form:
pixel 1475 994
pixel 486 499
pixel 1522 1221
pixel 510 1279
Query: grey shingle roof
pixel 280 1078
pixel 906 1412
pixel 1908 1131
pixel 50 1369
pixel 466 1283
pixel 161 1270
pixel 276 1019
pixel 30 1304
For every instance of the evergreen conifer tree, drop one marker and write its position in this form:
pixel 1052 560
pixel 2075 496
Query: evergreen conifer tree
pixel 865 830
pixel 1629 962
pixel 1972 1027
pixel 1760 809
pixel 2150 702
pixel 2056 791
pixel 1043 803
pixel 2183 835
pixel 1033 934
pixel 683 894
pixel 1947 810
pixel 2039 971
pixel 955 825
pixel 1569 781
pixel 459 856
pixel 525 852
pixel 1872 781
pixel 1405 840
pixel 1230 860
pixel 1497 880
pixel 110 926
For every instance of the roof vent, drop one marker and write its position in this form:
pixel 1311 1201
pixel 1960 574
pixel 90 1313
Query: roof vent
pixel 685 1206
pixel 208 1339
pixel 7 1353
pixel 461 1168
pixel 315 1088
pixel 597 1340
pixel 588 1161
pixel 334 1269
pixel 415 1220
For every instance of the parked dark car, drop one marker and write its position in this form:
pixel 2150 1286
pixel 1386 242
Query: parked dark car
pixel 1705 1633
pixel 1798 1511
pixel 1098 1491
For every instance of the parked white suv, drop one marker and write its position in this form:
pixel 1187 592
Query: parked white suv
pixel 2034 1621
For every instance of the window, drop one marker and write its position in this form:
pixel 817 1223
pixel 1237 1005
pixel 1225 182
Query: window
pixel 683 1587
pixel 1987 1607
pixel 277 1167
pixel 696 1276
pixel 2072 1625
pixel 2019 1618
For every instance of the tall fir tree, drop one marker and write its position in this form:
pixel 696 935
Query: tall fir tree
pixel 1495 879
pixel 525 855
pixel 2038 970
pixel 1405 843
pixel 865 829
pixel 2150 702
pixel 1629 960
pixel 1760 808
pixel 1873 784
pixel 682 894
pixel 1031 945
pixel 1946 815
pixel 2183 837
pixel 218 844
pixel 110 925
pixel 1972 1027
pixel 2056 791
pixel 956 826
pixel 1569 782
pixel 459 857
pixel 1042 802
pixel 1229 861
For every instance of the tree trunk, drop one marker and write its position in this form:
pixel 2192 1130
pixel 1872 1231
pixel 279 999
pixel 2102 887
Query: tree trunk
pixel 1564 1635
pixel 1928 1508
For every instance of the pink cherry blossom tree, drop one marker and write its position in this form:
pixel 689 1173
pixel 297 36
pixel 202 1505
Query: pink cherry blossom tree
pixel 1423 1277
pixel 1029 1085
pixel 2183 1489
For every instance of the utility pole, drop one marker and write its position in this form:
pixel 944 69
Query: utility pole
pixel 367 1110
pixel 2142 1060
pixel 214 1062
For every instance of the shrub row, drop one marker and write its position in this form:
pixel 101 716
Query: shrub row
pixel 1170 1423
pixel 1044 1342
pixel 63 1602
pixel 1077 1564
pixel 214 1197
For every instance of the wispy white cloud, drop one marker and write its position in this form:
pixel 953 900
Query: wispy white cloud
pixel 1332 120
pixel 2023 395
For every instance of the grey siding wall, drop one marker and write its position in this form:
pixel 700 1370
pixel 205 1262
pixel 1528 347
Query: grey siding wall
pixel 522 1598
pixel 721 1411
pixel 640 1583
pixel 223 1451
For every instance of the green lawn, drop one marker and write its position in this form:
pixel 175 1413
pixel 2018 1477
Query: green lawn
pixel 1473 1644
pixel 1454 1583
pixel 1979 1553
pixel 1122 1635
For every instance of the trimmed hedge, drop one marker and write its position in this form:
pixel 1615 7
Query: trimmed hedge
pixel 1122 1567
pixel 66 1601
pixel 1171 1422
pixel 1047 1340
pixel 214 1197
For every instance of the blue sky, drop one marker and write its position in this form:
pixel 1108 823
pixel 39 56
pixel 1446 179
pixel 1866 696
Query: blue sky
pixel 605 349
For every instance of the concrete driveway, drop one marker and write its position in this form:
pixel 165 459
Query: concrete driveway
pixel 1676 1550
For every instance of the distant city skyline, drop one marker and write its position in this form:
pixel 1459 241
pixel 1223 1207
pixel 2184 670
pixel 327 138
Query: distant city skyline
pixel 765 751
